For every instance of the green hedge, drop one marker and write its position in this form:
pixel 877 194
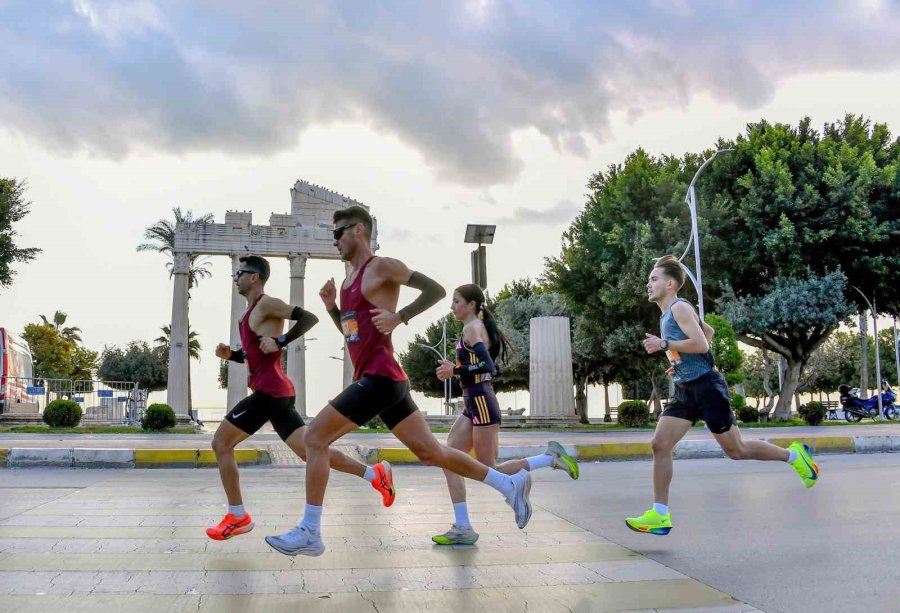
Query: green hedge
pixel 158 417
pixel 813 412
pixel 62 414
pixel 633 413
pixel 745 414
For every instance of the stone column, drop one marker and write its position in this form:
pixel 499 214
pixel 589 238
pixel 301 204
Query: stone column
pixel 296 359
pixel 348 363
pixel 177 389
pixel 550 368
pixel 237 373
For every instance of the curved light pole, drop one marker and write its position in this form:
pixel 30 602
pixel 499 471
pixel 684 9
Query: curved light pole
pixel 443 343
pixel 877 356
pixel 691 200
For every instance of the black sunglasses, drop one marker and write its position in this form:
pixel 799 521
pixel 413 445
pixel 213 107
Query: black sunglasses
pixel 337 233
pixel 239 272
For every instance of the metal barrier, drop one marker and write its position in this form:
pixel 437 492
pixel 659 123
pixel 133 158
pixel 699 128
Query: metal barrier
pixel 114 402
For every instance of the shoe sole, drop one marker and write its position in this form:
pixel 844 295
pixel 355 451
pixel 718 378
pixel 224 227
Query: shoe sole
pixel 805 454
pixel 654 531
pixel 527 502
pixel 571 466
pixel 389 471
pixel 289 552
pixel 237 532
pixel 458 542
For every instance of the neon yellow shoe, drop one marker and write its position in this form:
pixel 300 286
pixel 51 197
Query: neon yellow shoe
pixel 562 460
pixel 804 465
pixel 651 522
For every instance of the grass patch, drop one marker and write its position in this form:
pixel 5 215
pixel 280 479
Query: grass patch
pixel 93 430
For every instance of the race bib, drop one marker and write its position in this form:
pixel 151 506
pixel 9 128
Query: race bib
pixel 674 357
pixel 350 326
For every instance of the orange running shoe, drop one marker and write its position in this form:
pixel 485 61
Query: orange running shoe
pixel 230 526
pixel 384 482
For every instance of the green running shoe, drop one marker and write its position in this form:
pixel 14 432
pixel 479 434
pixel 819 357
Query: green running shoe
pixel 562 460
pixel 456 536
pixel 651 522
pixel 804 465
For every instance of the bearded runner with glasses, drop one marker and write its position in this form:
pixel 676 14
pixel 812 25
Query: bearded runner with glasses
pixel 272 399
pixel 366 317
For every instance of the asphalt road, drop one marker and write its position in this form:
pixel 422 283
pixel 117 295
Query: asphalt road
pixel 751 530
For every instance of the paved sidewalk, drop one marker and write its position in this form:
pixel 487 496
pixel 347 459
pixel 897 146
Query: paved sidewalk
pixel 134 541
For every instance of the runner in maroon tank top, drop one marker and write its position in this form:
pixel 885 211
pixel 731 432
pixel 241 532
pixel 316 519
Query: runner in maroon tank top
pixel 366 317
pixel 272 399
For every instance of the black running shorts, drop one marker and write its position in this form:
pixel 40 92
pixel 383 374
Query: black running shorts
pixel 251 413
pixel 481 405
pixel 706 398
pixel 376 395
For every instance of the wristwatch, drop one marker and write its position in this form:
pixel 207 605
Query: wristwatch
pixel 663 344
pixel 281 341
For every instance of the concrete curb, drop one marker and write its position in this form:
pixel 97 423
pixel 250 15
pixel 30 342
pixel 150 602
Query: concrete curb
pixel 23 457
pixel 600 452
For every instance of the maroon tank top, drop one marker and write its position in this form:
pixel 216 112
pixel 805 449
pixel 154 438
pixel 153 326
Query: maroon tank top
pixel 371 352
pixel 264 369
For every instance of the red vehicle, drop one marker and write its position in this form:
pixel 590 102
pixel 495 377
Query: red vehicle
pixel 16 369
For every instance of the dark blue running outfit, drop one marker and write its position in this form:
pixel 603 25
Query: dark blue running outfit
pixel 474 367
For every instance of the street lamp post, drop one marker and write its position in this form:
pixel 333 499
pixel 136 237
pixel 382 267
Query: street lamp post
pixel 691 200
pixel 897 350
pixel 877 356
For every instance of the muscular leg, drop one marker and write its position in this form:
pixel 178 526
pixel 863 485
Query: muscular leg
pixel 415 434
pixel 336 459
pixel 668 432
pixel 739 449
pixel 224 441
pixel 327 427
pixel 460 438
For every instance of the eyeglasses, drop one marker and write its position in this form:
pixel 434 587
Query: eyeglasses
pixel 339 232
pixel 238 273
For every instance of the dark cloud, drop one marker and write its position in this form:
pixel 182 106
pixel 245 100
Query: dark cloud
pixel 562 213
pixel 453 80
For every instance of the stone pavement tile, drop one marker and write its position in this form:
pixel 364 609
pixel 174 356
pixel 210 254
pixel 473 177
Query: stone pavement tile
pixel 138 603
pixel 633 570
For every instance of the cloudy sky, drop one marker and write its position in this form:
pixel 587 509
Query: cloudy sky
pixel 434 114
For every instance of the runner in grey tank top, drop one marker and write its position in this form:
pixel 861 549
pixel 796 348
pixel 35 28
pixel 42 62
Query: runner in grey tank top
pixel 701 393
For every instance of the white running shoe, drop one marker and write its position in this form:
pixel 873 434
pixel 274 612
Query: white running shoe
pixel 518 498
pixel 297 540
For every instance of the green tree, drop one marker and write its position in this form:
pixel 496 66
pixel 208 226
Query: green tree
pixel 70 333
pixel 13 207
pixel 728 356
pixel 53 355
pixel 138 362
pixel 420 362
pixel 84 364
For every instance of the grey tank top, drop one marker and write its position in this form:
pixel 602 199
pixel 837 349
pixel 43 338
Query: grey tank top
pixel 688 366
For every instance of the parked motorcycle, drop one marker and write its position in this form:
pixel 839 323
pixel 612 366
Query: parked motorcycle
pixel 855 408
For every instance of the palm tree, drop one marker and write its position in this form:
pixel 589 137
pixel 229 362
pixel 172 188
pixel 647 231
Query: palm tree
pixel 70 333
pixel 194 348
pixel 161 237
pixel 162 240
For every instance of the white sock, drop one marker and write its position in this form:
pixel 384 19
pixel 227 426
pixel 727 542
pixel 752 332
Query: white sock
pixel 662 509
pixel 370 474
pixel 500 482
pixel 312 518
pixel 792 456
pixel 539 461
pixel 237 510
pixel 461 511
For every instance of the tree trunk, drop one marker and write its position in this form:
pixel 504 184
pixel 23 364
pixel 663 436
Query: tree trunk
pixel 607 415
pixel 863 354
pixel 770 395
pixel 581 402
pixel 788 390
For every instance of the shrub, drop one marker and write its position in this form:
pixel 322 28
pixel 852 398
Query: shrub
pixel 158 417
pixel 633 413
pixel 813 412
pixel 62 414
pixel 745 414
